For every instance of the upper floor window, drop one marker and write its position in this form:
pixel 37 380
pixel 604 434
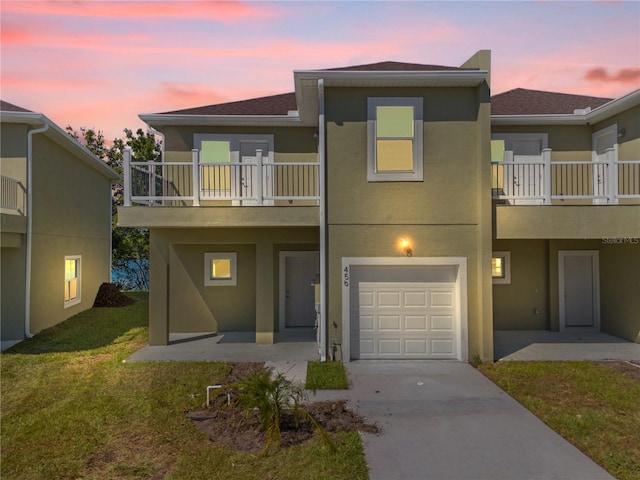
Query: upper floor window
pixel 72 280
pixel 395 144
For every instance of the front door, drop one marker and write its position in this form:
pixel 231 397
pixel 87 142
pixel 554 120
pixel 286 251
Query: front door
pixel 299 304
pixel 602 140
pixel 579 290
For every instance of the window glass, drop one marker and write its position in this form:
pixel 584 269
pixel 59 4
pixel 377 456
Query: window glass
pixel 71 281
pixel 394 121
pixel 221 268
pixel 215 151
pixel 497 150
pixel 497 267
pixel 394 156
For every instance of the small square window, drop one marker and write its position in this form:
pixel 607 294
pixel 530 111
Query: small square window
pixel 72 280
pixel 501 267
pixel 220 269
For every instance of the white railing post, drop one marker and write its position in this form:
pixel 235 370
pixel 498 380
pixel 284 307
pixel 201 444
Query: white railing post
pixel 546 172
pixel 195 158
pixel 151 172
pixel 126 166
pixel 259 176
pixel 612 167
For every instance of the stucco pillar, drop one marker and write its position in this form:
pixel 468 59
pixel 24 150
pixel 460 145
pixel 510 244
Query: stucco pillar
pixel 158 292
pixel 264 293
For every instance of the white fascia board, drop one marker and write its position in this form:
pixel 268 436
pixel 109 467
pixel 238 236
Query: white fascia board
pixel 464 77
pixel 160 120
pixel 615 106
pixel 61 137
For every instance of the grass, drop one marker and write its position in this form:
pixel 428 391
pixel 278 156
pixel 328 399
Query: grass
pixel 72 409
pixel 326 376
pixel 591 405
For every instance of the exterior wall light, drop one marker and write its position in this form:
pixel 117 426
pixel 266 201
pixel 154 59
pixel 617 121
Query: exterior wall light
pixel 404 243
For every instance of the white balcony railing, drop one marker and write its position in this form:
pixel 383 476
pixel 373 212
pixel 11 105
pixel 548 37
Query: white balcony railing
pixel 531 180
pixel 12 195
pixel 254 181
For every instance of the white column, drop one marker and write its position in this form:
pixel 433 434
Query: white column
pixel 259 176
pixel 195 158
pixel 546 172
pixel 126 166
pixel 612 171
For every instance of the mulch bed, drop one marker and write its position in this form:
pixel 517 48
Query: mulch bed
pixel 233 427
pixel 109 295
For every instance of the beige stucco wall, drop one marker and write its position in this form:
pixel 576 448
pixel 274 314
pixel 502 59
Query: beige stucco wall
pixel 531 301
pixel 179 300
pixel 447 214
pixel 524 303
pixel 71 216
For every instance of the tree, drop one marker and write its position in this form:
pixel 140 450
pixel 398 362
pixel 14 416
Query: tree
pixel 130 246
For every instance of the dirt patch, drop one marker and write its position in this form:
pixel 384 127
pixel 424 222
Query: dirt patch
pixel 109 295
pixel 629 369
pixel 231 426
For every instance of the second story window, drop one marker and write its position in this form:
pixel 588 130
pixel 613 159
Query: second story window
pixel 394 130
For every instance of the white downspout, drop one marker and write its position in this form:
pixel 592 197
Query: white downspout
pixel 323 223
pixel 27 293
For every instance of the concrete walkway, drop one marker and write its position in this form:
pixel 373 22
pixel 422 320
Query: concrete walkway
pixel 562 346
pixel 445 420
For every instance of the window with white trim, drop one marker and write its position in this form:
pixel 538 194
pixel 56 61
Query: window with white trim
pixel 220 269
pixel 72 271
pixel 395 139
pixel 501 267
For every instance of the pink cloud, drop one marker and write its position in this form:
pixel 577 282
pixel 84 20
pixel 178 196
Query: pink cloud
pixel 623 75
pixel 223 11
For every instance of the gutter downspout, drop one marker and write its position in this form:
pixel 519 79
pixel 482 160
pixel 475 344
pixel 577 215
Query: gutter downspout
pixel 27 296
pixel 323 223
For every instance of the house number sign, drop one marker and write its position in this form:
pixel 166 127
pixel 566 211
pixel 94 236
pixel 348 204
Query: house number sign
pixel 346 276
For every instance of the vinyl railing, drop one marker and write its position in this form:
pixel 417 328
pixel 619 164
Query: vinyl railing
pixel 536 180
pixel 12 194
pixel 254 181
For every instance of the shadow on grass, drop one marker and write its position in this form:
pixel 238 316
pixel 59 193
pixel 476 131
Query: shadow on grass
pixel 94 328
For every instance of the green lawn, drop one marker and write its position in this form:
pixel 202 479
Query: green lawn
pixel 72 409
pixel 326 376
pixel 594 406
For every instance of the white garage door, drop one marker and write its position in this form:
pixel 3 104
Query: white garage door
pixel 408 320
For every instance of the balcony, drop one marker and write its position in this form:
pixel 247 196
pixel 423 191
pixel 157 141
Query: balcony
pixel 12 196
pixel 536 180
pixel 253 182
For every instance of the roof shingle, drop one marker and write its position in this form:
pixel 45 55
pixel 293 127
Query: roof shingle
pixel 521 101
pixel 10 107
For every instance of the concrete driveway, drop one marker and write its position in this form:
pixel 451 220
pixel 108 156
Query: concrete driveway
pixel 445 420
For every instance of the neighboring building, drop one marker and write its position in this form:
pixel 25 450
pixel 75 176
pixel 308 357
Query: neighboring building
pixel 375 184
pixel 55 211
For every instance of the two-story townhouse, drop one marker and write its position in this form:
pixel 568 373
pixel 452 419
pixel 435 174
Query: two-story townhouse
pixel 374 184
pixel 55 214
pixel 566 189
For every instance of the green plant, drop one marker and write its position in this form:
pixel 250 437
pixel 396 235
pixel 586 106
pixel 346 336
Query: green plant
pixel 476 360
pixel 273 395
pixel 326 376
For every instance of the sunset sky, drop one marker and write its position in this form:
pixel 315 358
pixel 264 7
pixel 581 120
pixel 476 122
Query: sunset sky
pixel 100 64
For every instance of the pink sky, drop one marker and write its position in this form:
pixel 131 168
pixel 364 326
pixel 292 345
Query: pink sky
pixel 100 64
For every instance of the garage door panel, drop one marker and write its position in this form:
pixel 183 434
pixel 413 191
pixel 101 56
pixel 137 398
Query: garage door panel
pixel 442 346
pixel 416 346
pixel 390 346
pixel 367 299
pixel 389 323
pixel 415 299
pixel 440 323
pixel 408 320
pixel 417 323
pixel 441 299
pixel 367 323
pixel 389 299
